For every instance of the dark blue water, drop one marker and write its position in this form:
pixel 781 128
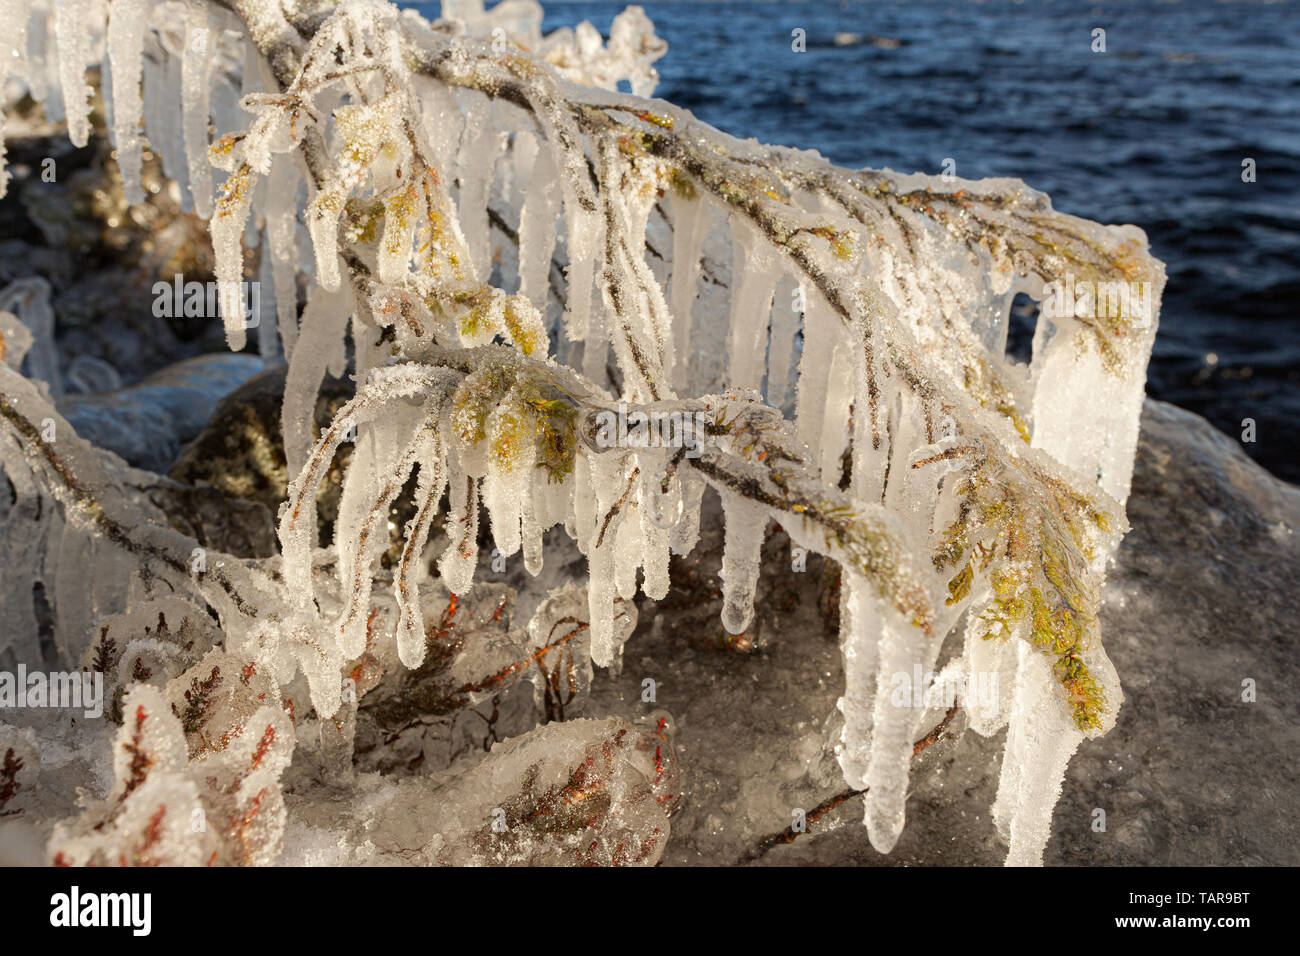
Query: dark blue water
pixel 1153 131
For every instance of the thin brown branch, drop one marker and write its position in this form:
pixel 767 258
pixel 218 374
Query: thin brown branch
pixel 790 834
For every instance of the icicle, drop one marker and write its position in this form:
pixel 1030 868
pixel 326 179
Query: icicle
pixel 585 506
pixel 106 96
pixel 320 345
pixel 608 480
pixel 659 511
pixel 458 562
pixel 75 568
pixel 43 64
pixel 502 499
pixel 860 645
pixel 323 225
pixel 72 29
pixel 537 230
pixel 378 472
pixel 635 310
pixel 1040 742
pixel 13 52
pixel 21 550
pixel 553 501
pixel 162 121
pixel 903 650
pixel 628 547
pixel 753 279
pixel 281 235
pixel 600 604
pixel 990 679
pixel 227 229
pixel 686 532
pixel 688 233
pixel 268 338
pixel 253 76
pixel 479 152
pixel 253 224
pixel 786 314
pixel 743 532
pixel 196 93
pixel 411 638
pixel 656 324
pixel 442 120
pixel 4 166
pixel 1104 442
pixel 368 351
pixel 595 347
pixel 583 245
pixel 662 500
pixel 531 528
pixel 871 441
pixel 819 338
pixel 360 491
pixel 14 14
pixel 838 379
pixel 125 49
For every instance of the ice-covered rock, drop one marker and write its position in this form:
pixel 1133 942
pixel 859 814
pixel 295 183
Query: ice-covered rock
pixel 147 424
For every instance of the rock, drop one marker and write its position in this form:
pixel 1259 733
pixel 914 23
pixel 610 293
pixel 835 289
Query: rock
pixel 240 451
pixel 1206 596
pixel 245 529
pixel 66 219
pixel 147 424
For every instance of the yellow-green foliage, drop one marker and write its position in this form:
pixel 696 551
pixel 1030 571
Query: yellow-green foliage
pixel 1033 550
pixel 398 210
pixel 983 384
pixel 521 323
pixel 488 313
pixel 235 190
pixel 522 415
pixel 364 217
pixel 682 184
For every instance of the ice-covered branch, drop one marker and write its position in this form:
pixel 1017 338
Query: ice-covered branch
pixel 954 486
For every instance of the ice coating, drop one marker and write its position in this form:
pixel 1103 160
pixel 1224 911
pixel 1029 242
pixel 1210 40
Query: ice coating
pixel 954 486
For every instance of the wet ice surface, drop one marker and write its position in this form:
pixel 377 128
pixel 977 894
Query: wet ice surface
pixel 1203 596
